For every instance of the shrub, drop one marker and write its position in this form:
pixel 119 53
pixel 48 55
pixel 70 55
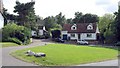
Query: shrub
pixel 14 31
pixel 15 40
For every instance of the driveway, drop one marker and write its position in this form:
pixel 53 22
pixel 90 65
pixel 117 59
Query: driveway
pixel 8 60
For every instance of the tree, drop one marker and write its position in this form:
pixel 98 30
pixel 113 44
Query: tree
pixel 105 21
pixel 17 34
pixel 49 22
pixel 26 14
pixel 106 27
pixel 60 19
pixel 8 16
pixel 78 17
pixel 87 18
pixel 56 34
pixel 69 21
pixel 90 18
pixel 117 25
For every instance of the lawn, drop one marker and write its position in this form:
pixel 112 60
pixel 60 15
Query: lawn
pixel 65 54
pixel 8 44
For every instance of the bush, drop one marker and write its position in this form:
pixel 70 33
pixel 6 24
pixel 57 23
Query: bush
pixel 14 40
pixel 14 31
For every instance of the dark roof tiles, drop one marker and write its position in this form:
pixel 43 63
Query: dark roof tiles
pixel 81 28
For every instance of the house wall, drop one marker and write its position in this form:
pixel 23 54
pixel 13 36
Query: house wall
pixel 84 36
pixel 1 21
pixel 40 32
pixel 34 33
pixel 64 32
pixel 73 38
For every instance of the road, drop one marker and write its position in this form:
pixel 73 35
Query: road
pixel 103 63
pixel 8 60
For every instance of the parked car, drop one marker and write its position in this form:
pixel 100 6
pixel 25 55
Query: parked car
pixel 59 40
pixel 83 42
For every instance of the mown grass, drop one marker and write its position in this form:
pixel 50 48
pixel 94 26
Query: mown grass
pixel 8 44
pixel 65 54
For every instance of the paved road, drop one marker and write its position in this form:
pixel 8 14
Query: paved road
pixel 104 63
pixel 8 60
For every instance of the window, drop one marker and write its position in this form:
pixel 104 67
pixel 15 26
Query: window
pixel 74 27
pixel 89 27
pixel 72 35
pixel 89 35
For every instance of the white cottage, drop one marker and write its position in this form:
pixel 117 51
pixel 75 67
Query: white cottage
pixel 81 31
pixel 41 31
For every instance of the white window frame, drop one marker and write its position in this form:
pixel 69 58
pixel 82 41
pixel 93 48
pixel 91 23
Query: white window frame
pixel 90 27
pixel 89 35
pixel 74 27
pixel 72 35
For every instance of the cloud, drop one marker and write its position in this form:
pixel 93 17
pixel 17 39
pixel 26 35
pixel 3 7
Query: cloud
pixel 109 6
pixel 103 2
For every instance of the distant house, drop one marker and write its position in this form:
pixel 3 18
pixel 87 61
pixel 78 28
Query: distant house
pixel 1 15
pixel 41 28
pixel 41 31
pixel 81 31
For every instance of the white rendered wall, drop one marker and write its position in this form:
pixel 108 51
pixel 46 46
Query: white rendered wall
pixel 83 36
pixel 74 38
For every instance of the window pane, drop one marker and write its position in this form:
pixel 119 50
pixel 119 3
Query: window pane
pixel 72 35
pixel 89 35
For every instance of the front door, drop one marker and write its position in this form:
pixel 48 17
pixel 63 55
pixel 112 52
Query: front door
pixel 79 36
pixel 65 37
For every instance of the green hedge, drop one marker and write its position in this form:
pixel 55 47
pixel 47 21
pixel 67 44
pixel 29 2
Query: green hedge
pixel 15 40
pixel 15 33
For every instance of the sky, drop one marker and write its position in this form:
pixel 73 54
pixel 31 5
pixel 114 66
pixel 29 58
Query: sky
pixel 45 8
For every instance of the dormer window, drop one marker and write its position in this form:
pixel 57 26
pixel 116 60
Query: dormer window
pixel 90 26
pixel 74 27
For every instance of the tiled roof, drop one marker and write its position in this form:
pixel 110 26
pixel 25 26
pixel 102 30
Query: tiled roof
pixel 81 28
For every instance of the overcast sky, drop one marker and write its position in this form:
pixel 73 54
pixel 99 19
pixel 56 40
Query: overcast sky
pixel 46 8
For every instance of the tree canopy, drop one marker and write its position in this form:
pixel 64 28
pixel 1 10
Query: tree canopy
pixel 26 14
pixel 85 18
pixel 117 25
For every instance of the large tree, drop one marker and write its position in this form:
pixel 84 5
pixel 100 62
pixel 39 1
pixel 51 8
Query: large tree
pixel 8 16
pixel 78 17
pixel 26 14
pixel 60 19
pixel 117 25
pixel 105 21
pixel 106 27
pixel 69 21
pixel 85 18
pixel 50 23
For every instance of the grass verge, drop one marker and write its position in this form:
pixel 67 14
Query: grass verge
pixel 8 44
pixel 65 54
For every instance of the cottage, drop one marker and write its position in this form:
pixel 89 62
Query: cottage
pixel 41 31
pixel 81 31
